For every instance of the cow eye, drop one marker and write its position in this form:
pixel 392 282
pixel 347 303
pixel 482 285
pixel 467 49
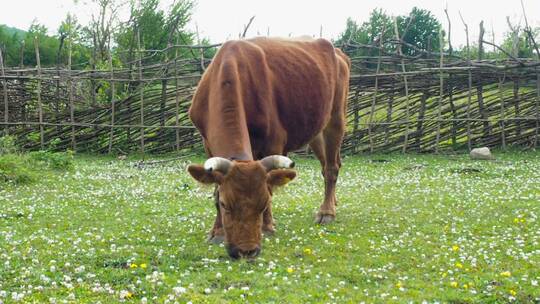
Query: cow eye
pixel 223 206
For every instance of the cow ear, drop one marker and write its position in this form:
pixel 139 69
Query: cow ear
pixel 280 177
pixel 201 175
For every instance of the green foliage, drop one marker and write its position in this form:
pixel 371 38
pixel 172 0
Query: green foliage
pixel 157 29
pixel 52 49
pixel 23 168
pixel 520 44
pixel 53 160
pixel 422 32
pixel 368 32
pixel 7 145
pixel 10 40
pixel 15 169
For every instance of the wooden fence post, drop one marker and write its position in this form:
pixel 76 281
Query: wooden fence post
pixel 469 95
pixel 374 101
pixel 177 100
pixel 480 88
pixel 405 83
pixel 21 66
pixel 450 84
pixel 40 106
pixel 164 91
pixel 389 112
pixel 502 114
pixel 441 90
pixel 5 94
pixel 517 110
pixel 70 97
pixel 141 88
pixel 536 108
pixel 423 102
pixel 113 99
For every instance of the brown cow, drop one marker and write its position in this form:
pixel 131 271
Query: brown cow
pixel 260 99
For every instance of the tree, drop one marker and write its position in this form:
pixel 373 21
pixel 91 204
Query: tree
pixel 157 28
pixel 71 31
pixel 47 46
pixel 368 32
pixel 518 43
pixel 422 32
pixel 419 28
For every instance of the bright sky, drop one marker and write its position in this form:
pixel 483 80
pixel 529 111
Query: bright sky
pixel 220 20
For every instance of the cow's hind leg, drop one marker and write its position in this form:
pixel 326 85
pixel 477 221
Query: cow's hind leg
pixel 326 147
pixel 217 234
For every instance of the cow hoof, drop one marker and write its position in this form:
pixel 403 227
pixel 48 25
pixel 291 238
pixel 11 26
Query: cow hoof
pixel 323 219
pixel 269 232
pixel 216 239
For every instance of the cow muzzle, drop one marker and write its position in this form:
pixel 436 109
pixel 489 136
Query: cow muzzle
pixel 236 253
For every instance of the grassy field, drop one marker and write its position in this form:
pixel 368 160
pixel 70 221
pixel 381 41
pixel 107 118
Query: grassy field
pixel 409 228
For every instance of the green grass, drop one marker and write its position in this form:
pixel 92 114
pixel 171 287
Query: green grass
pixel 409 228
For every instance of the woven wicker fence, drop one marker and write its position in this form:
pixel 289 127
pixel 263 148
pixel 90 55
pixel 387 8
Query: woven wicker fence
pixel 431 101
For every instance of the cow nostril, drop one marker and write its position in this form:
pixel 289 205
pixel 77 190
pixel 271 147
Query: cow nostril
pixel 233 252
pixel 251 253
pixel 236 253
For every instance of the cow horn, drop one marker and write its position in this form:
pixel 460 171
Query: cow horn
pixel 277 162
pixel 217 164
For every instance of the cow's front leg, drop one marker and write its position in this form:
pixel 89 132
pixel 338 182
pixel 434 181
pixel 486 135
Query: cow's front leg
pixel 217 234
pixel 268 221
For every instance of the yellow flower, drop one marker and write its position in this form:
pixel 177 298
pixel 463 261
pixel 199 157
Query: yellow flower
pixel 459 265
pixel 290 270
pixel 465 286
pixel 513 292
pixel 444 274
pixel 133 265
pixel 455 248
pixel 454 284
pixel 399 285
pixel 516 220
pixel 143 266
pixel 129 295
pixel 506 274
pixel 307 251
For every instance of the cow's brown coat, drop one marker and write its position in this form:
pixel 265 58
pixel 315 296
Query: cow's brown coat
pixel 262 97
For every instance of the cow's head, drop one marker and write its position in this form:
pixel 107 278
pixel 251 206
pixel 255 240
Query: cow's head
pixel 245 190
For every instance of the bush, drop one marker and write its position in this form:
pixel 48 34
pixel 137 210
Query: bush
pixel 7 145
pixel 15 169
pixel 53 160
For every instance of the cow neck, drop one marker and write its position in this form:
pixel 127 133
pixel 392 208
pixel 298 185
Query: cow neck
pixel 229 134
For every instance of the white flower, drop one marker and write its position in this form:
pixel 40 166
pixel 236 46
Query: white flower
pixel 534 282
pixel 207 290
pixel 124 294
pixel 179 290
pixel 80 269
pixel 17 296
pixel 218 275
pixel 144 300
